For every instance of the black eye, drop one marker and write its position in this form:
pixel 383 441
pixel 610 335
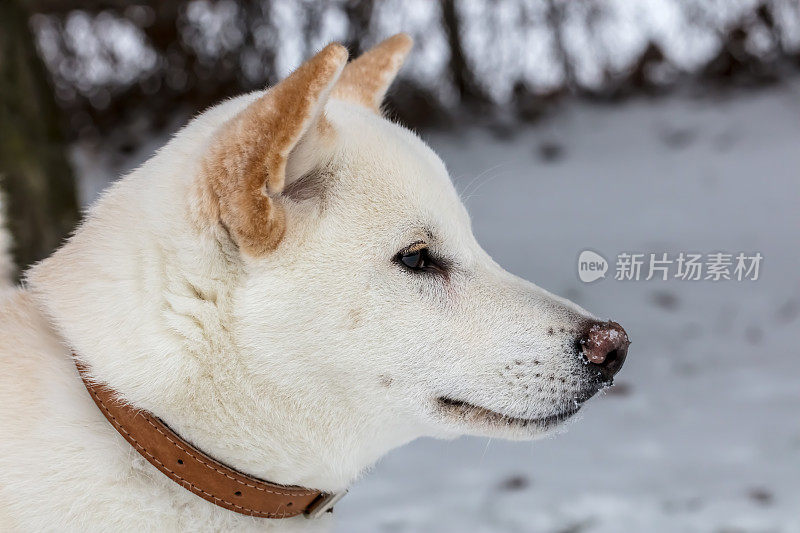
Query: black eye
pixel 416 259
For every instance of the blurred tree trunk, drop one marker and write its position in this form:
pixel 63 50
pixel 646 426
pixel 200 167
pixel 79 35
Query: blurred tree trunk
pixel 359 17
pixel 36 175
pixel 556 19
pixel 469 90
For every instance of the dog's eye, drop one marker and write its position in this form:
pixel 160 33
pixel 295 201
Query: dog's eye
pixel 417 258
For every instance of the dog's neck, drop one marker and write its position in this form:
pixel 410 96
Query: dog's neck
pixel 151 316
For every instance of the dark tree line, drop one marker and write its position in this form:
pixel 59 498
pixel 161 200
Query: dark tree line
pixel 186 74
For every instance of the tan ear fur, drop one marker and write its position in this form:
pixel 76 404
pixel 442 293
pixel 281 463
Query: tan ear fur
pixel 246 163
pixel 366 79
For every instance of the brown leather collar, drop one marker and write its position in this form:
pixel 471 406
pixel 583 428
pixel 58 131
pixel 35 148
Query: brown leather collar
pixel 199 473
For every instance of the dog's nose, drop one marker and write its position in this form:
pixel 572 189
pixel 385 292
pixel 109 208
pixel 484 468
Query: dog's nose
pixel 605 346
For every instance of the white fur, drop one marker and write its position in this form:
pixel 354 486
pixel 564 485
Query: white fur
pixel 301 367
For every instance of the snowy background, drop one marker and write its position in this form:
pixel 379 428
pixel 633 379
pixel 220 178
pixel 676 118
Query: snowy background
pixel 702 432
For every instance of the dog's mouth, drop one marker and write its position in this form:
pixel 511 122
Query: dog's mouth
pixel 474 414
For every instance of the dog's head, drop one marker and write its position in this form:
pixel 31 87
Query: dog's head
pixel 294 260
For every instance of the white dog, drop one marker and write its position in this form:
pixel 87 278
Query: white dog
pixel 292 286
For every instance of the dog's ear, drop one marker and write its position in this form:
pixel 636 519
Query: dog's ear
pixel 366 79
pixel 245 167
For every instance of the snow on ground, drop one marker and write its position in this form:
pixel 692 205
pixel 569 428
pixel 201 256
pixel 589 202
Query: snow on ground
pixel 703 432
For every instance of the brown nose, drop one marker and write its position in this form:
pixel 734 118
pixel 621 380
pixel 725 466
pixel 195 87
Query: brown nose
pixel 605 345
